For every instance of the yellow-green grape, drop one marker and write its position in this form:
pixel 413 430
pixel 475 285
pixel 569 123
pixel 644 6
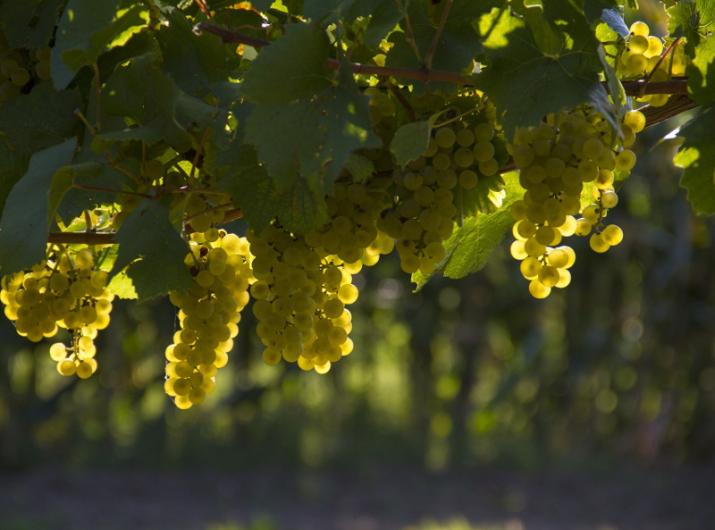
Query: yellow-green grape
pixel 460 156
pixel 203 213
pixel 301 294
pixel 613 235
pixel 354 210
pixel 556 159
pixel 18 67
pixel 209 313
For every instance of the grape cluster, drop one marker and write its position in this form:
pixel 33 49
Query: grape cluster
pixel 458 157
pixel 645 55
pixel 64 291
pixel 209 313
pixel 19 67
pixel 352 234
pixel 300 298
pixel 203 212
pixel 567 167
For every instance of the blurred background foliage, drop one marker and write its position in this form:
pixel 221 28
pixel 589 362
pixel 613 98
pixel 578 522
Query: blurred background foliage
pixel 464 373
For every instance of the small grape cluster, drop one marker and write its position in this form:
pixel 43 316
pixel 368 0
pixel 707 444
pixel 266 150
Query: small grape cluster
pixel 203 212
pixel 644 55
pixel 300 298
pixel 209 313
pixel 568 156
pixel 19 67
pixel 458 157
pixel 352 234
pixel 64 291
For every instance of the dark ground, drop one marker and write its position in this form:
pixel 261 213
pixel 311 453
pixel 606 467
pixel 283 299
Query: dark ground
pixel 655 499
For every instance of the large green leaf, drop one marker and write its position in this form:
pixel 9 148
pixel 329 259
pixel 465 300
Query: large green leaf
pixel 29 23
pixel 30 207
pixel 687 18
pixel 153 250
pixel 141 90
pixel 472 244
pixel 88 29
pixel 701 73
pixel 526 85
pixel 294 66
pixel 411 141
pixel 199 64
pixel 238 172
pixel 27 124
pixel 697 157
pixel 314 137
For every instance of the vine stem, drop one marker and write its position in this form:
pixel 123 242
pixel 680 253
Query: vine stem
pixel 110 238
pixel 678 85
pixel 429 56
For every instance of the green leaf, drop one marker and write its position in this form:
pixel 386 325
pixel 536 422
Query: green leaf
pixel 153 250
pixel 701 73
pixel 199 64
pixel 238 173
pixel 472 244
pixel 293 67
pixel 40 119
pixel 88 29
pixel 360 168
pixel 687 17
pixel 301 208
pixel 458 42
pixel 526 85
pixel 614 19
pixel 29 23
pixel 410 141
pixel 548 39
pixel 142 91
pixel 697 157
pixel 315 136
pixel 26 217
pixel 121 286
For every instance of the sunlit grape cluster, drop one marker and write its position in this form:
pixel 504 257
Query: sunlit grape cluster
pixel 203 211
pixel 351 233
pixel 209 313
pixel 300 297
pixel 64 291
pixel 429 191
pixel 649 55
pixel 19 67
pixel 567 167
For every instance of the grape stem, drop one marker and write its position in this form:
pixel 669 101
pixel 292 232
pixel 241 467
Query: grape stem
pixel 677 85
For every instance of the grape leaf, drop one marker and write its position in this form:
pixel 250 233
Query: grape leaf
pixel 697 157
pixel 315 136
pixel 301 208
pixel 471 244
pixel 40 119
pixel 155 257
pixel 238 173
pixel 685 19
pixel 141 90
pixel 410 141
pixel 614 19
pixel 121 286
pixel 360 168
pixel 553 83
pixel 293 67
pixel 89 28
pixel 29 209
pixel 199 64
pixel 548 39
pixel 701 73
pixel 457 44
pixel 30 23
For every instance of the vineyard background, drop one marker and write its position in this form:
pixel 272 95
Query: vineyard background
pixel 467 403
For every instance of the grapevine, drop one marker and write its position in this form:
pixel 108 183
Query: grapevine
pixel 336 140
